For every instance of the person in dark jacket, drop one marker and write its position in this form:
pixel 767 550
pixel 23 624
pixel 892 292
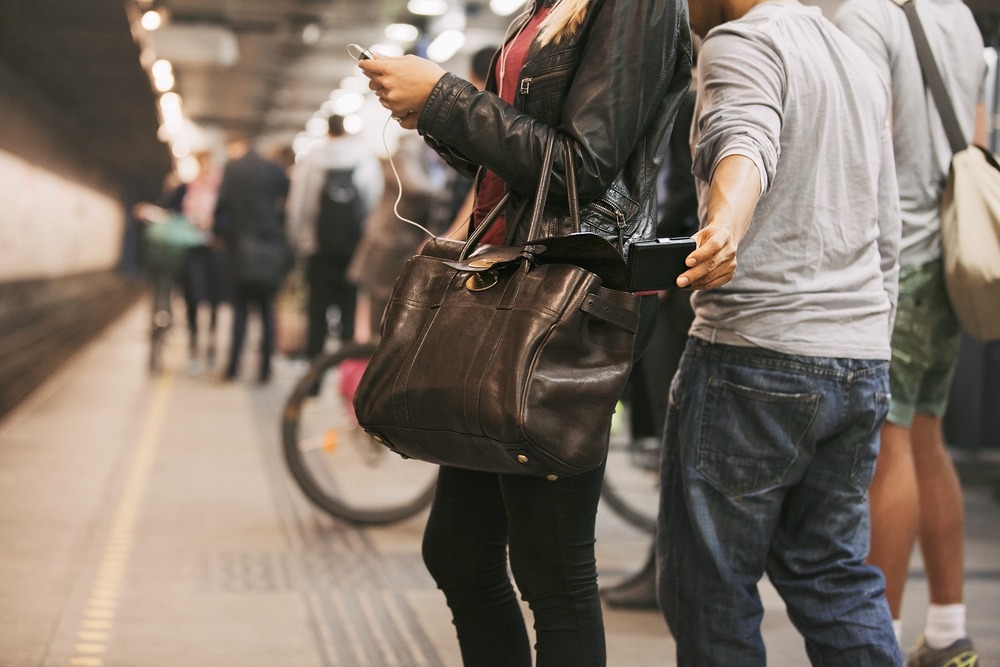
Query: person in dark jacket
pixel 249 223
pixel 608 75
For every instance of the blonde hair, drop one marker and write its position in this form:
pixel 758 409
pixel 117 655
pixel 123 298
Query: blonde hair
pixel 565 17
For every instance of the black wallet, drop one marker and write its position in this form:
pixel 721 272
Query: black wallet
pixel 655 265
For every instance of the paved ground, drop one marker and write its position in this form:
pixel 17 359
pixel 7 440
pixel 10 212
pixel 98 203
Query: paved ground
pixel 148 522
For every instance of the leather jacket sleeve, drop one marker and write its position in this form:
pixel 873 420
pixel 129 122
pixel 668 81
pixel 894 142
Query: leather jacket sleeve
pixel 616 73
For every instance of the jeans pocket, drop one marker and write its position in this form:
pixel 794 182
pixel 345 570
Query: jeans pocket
pixel 749 438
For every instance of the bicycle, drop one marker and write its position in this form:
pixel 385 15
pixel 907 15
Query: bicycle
pixel 338 466
pixel 343 472
pixel 167 237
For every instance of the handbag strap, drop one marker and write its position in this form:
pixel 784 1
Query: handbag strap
pixel 933 78
pixel 541 196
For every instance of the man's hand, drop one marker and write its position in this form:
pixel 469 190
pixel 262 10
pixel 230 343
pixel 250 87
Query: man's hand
pixel 713 262
pixel 732 198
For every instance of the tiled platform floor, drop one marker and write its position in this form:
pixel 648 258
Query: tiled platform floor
pixel 149 522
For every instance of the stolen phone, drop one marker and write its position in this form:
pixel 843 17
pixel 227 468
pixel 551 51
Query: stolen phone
pixel 656 264
pixel 359 52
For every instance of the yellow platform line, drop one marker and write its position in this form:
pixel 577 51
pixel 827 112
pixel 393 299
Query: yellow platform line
pixel 98 619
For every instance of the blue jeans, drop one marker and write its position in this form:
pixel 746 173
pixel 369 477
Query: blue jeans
pixel 766 466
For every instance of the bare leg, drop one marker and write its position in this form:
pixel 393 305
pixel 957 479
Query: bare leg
pixel 942 512
pixel 895 516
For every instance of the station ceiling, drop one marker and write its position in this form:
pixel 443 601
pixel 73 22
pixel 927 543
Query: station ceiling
pixel 258 66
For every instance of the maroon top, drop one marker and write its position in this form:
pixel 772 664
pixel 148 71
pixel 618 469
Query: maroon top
pixel 508 74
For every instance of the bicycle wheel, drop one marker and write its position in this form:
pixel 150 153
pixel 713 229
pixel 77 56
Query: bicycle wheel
pixel 335 463
pixel 631 480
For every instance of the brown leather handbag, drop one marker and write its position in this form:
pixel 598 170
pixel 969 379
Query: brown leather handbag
pixel 501 358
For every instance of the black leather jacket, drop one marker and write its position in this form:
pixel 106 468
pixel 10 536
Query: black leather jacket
pixel 613 87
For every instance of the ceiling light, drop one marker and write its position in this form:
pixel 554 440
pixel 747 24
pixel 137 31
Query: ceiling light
pixel 311 34
pixel 354 124
pixel 317 126
pixel 505 7
pixel 162 68
pixel 346 103
pixel 387 49
pixel 445 45
pixel 427 7
pixel 402 32
pixel 187 167
pixel 355 84
pixel 151 20
pixel 164 82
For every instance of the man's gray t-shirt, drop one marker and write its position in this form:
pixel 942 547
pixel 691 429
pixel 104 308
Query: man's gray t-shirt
pixel 923 155
pixel 817 270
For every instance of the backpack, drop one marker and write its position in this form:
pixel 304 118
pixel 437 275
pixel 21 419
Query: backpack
pixel 341 215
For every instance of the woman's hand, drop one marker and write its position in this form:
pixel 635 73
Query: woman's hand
pixel 402 84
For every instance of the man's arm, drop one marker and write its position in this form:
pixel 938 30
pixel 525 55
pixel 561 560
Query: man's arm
pixel 732 198
pixel 980 135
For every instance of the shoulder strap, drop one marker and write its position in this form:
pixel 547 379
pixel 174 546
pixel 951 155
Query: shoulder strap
pixel 932 77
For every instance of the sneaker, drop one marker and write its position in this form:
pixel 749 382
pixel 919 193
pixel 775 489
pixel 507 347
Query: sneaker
pixel 960 654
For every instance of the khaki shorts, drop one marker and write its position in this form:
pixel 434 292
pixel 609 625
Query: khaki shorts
pixel 925 345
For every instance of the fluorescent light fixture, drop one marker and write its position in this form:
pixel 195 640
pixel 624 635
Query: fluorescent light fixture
pixel 401 32
pixel 505 7
pixel 445 45
pixel 427 7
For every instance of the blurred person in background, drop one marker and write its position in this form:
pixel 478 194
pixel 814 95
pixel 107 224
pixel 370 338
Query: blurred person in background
pixel 249 224
pixel 388 241
pixel 203 276
pixel 333 190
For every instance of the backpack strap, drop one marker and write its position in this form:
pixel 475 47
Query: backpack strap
pixel 933 78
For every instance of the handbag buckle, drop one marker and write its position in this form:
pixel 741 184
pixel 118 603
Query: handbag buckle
pixel 482 280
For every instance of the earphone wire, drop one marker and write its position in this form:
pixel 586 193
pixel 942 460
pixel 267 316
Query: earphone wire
pixel 399 182
pixel 504 52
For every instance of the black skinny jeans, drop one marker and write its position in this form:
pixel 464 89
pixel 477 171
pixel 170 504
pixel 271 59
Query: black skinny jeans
pixel 549 530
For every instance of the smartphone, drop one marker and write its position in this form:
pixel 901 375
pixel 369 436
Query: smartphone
pixel 359 52
pixel 656 264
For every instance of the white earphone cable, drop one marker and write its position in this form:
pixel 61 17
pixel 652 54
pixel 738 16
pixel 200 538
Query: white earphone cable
pixel 504 52
pixel 399 182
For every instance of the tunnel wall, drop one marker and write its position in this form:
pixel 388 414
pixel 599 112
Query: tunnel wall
pixel 62 231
